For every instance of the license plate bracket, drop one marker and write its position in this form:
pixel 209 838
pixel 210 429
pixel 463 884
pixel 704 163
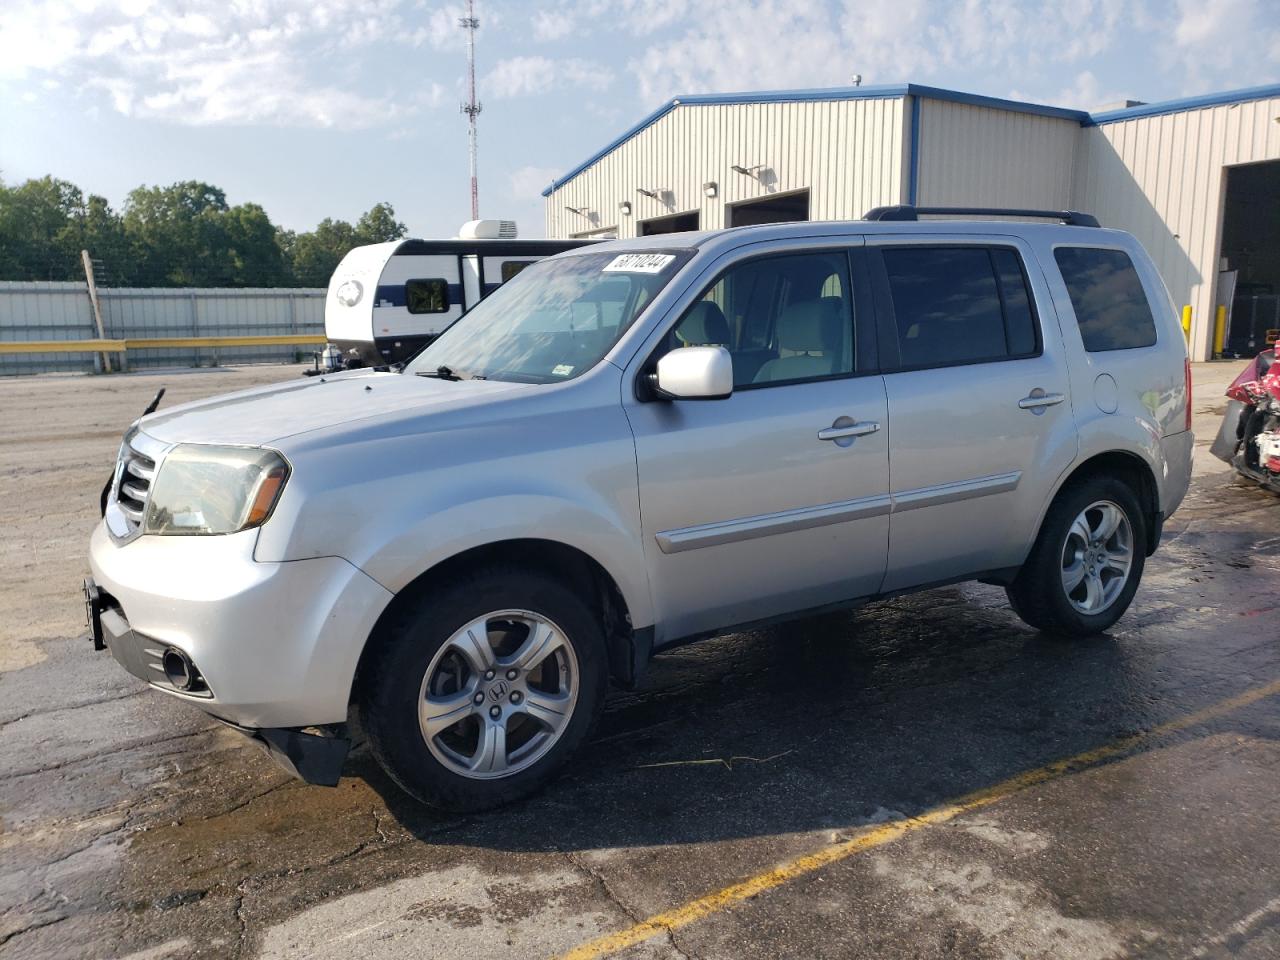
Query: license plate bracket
pixel 93 614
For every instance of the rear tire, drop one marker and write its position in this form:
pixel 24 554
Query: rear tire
pixel 477 693
pixel 1087 561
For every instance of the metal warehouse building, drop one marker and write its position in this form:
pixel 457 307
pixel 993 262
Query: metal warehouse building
pixel 1196 180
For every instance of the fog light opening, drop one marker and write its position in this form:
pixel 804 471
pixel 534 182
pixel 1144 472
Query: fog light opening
pixel 181 672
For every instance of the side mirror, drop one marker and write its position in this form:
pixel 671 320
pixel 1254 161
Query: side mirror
pixel 694 373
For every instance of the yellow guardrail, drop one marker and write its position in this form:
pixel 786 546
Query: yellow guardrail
pixel 63 346
pixel 153 343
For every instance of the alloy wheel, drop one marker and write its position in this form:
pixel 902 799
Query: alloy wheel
pixel 498 695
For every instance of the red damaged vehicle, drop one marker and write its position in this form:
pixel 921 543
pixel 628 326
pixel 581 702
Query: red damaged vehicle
pixel 1249 438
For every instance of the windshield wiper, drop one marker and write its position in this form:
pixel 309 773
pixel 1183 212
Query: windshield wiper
pixel 441 373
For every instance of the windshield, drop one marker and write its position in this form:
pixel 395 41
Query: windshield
pixel 553 321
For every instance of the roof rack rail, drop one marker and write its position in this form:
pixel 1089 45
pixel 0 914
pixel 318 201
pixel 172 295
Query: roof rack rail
pixel 907 212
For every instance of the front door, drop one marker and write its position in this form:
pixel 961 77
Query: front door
pixel 774 499
pixel 979 404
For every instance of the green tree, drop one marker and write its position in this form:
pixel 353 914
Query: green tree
pixel 379 224
pixel 178 235
pixel 257 259
pixel 33 241
pixel 184 234
pixel 316 254
pixel 99 229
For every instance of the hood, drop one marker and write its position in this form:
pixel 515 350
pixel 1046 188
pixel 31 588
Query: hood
pixel 264 415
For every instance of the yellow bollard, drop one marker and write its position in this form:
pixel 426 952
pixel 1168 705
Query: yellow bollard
pixel 1186 322
pixel 1220 331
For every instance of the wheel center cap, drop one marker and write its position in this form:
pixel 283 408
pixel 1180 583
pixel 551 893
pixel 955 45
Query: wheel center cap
pixel 498 691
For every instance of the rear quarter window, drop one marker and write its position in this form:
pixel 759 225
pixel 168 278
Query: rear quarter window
pixel 1110 305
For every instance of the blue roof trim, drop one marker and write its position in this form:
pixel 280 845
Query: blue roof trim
pixel 913 162
pixel 996 103
pixel 1186 103
pixel 895 91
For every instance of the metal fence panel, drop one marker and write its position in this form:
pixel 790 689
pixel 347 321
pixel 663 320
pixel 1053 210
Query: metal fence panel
pixel 61 311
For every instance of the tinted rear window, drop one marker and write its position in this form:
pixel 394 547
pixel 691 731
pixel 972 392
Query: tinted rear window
pixel 956 305
pixel 1110 305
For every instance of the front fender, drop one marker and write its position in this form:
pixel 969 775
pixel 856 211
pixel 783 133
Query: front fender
pixel 396 504
pixel 446 533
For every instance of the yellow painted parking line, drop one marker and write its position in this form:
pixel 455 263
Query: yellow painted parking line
pixel 879 835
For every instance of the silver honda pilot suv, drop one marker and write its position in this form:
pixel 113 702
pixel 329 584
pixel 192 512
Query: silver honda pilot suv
pixel 633 444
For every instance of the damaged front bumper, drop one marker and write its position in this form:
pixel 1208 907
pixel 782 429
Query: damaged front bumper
pixel 316 757
pixel 1249 437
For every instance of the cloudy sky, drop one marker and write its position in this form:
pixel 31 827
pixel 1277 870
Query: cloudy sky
pixel 319 108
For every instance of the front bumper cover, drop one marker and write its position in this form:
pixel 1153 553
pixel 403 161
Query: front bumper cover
pixel 313 757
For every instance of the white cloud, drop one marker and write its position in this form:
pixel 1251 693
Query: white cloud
pixel 551 25
pixel 210 61
pixel 440 31
pixel 764 44
pixel 528 182
pixel 523 76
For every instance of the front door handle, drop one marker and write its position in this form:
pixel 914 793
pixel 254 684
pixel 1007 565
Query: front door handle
pixel 846 428
pixel 1039 400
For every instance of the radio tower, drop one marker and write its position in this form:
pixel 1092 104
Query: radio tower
pixel 473 106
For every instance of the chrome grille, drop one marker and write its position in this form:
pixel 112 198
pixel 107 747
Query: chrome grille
pixel 136 473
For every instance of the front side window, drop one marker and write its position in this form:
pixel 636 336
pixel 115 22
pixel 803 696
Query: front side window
pixel 957 305
pixel 554 320
pixel 1110 305
pixel 427 296
pixel 783 319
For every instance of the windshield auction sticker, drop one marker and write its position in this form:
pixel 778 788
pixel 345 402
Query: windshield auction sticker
pixel 639 263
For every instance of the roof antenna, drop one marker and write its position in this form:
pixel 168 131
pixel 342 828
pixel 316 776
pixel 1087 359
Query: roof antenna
pixel 473 106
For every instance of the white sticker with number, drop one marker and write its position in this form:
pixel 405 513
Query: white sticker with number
pixel 639 263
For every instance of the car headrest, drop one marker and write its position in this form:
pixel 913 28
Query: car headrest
pixel 704 325
pixel 811 327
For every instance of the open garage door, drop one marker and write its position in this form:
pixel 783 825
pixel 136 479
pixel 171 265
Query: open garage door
pixel 679 223
pixel 1251 248
pixel 785 208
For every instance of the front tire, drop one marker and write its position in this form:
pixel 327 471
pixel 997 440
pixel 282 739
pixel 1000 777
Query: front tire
pixel 477 693
pixel 1087 561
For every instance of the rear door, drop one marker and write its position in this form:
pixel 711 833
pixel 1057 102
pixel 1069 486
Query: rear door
pixel 980 423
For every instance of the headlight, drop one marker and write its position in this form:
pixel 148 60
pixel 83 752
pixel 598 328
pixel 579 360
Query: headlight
pixel 201 490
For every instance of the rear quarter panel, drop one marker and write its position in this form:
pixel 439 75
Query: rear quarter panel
pixel 1128 400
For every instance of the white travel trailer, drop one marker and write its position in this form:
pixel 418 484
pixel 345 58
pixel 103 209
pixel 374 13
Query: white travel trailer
pixel 388 300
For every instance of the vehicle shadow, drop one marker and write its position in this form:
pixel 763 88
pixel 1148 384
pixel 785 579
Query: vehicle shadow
pixel 824 723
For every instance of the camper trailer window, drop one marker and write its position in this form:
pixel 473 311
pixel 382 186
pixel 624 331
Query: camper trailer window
pixel 427 296
pixel 511 267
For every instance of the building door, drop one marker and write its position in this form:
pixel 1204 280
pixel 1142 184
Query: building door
pixel 679 223
pixel 1251 247
pixel 785 208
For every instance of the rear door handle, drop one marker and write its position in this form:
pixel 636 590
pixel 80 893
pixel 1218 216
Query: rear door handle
pixel 840 431
pixel 1039 400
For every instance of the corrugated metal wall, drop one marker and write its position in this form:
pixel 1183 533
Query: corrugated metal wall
pixel 1162 179
pixel 980 157
pixel 61 311
pixel 848 153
